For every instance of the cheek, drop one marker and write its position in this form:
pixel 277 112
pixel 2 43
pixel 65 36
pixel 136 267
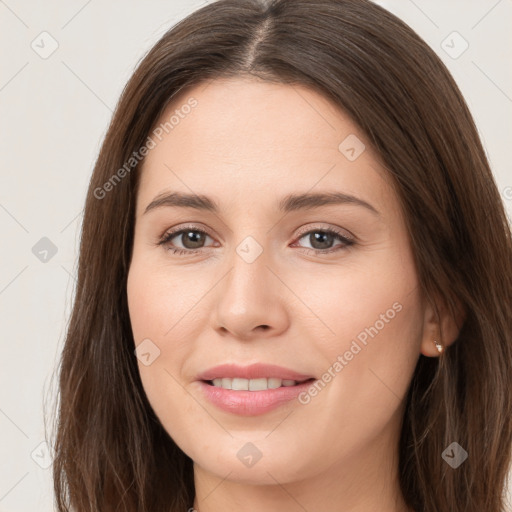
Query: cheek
pixel 369 361
pixel 375 319
pixel 155 306
pixel 364 338
pixel 374 297
pixel 160 300
pixel 160 313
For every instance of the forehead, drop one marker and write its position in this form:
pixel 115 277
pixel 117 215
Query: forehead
pixel 256 116
pixel 243 138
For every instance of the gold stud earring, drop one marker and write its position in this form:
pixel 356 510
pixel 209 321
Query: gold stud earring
pixel 439 346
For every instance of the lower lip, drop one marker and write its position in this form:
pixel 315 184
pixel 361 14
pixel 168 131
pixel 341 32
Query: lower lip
pixel 252 403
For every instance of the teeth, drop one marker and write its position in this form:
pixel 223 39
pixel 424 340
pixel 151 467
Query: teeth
pixel 252 384
pixel 240 385
pixel 225 383
pixel 274 383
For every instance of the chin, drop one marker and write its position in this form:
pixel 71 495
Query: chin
pixel 255 462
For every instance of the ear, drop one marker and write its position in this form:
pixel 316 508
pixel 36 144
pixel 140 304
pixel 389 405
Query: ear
pixel 439 324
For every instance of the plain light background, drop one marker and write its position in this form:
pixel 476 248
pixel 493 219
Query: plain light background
pixel 54 111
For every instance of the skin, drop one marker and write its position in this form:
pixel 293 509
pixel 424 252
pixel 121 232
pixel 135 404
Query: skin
pixel 247 144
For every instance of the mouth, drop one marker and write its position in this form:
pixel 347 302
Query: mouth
pixel 252 390
pixel 259 384
pixel 252 397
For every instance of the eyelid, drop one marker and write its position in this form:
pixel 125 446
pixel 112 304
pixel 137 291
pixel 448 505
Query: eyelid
pixel 192 227
pixel 339 231
pixel 302 231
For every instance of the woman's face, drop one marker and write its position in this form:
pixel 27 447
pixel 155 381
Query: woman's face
pixel 272 281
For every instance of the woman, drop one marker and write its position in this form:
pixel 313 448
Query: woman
pixel 295 279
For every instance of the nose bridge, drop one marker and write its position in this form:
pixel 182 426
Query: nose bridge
pixel 248 297
pixel 249 277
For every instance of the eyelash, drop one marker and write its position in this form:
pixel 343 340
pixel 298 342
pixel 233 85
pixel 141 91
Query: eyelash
pixel 167 237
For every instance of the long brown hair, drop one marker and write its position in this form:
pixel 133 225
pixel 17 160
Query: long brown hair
pixel 111 452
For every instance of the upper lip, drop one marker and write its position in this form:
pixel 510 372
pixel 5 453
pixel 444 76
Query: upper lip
pixel 253 371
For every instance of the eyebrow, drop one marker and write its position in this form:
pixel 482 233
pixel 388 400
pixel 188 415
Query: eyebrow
pixel 289 203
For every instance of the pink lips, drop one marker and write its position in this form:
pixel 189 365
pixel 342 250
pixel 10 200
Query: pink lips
pixel 251 403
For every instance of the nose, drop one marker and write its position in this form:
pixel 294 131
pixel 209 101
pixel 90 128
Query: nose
pixel 251 300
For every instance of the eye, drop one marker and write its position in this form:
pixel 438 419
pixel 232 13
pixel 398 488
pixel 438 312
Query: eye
pixel 321 240
pixel 192 239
